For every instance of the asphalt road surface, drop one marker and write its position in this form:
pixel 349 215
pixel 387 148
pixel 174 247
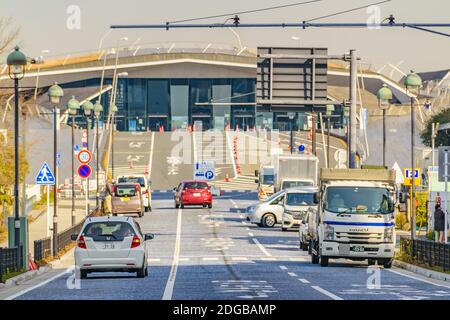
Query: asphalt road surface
pixel 215 254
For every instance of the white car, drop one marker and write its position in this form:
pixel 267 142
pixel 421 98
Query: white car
pixel 267 213
pixel 297 202
pixel 111 244
pixel 145 187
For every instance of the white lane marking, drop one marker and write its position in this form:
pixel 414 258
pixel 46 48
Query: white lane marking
pixel 239 258
pixel 250 234
pixel 234 203
pixel 283 268
pixel 150 161
pixel 247 229
pixel 416 278
pixel 241 216
pixel 183 259
pixel 298 259
pixel 327 293
pixel 292 274
pixel 168 291
pixel 22 292
pixel 210 259
pixel 154 260
pixel 261 247
pixel 303 280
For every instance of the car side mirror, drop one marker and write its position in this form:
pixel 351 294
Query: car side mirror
pixel 73 237
pixel 149 236
pixel 316 197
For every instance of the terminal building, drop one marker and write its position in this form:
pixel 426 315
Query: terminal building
pixel 172 89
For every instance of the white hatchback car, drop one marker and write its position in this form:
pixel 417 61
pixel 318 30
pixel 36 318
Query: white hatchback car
pixel 267 213
pixel 111 244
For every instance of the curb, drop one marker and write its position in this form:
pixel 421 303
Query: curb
pixel 422 271
pixel 24 277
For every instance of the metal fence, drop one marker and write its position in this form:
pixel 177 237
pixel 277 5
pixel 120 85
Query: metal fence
pixel 433 254
pixel 10 261
pixel 42 248
pixel 64 236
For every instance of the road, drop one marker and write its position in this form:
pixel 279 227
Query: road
pixel 215 254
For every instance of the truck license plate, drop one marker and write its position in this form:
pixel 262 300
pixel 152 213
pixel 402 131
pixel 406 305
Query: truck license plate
pixel 357 248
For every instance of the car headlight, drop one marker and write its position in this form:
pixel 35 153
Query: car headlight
pixel 328 232
pixel 388 234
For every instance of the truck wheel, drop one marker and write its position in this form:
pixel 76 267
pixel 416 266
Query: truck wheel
pixel 371 262
pixel 388 263
pixel 176 205
pixel 324 261
pixel 268 220
pixel 305 246
pixel 314 257
pixel 309 247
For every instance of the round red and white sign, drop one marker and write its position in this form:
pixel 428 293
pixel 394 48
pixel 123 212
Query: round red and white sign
pixel 84 156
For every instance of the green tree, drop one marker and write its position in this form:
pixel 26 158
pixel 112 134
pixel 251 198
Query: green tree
pixel 443 137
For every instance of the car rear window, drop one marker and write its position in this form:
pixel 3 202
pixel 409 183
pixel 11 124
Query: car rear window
pixel 126 191
pixel 195 185
pixel 108 231
pixel 139 180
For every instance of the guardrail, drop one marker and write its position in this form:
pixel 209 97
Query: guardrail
pixel 42 248
pixel 433 254
pixel 10 261
pixel 64 237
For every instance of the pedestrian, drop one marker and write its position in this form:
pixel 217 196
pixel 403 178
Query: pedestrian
pixel 439 223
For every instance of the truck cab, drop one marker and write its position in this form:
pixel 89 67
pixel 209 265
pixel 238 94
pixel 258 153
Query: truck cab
pixel 355 216
pixel 265 180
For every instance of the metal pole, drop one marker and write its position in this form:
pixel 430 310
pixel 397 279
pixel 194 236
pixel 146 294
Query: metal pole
pixel 87 179
pixel 24 186
pixel 291 142
pixel 353 92
pixel 328 141
pixel 48 212
pixel 73 171
pixel 16 166
pixel 413 171
pixel 433 137
pixel 55 188
pixel 313 135
pixel 384 137
pixel 112 146
pixel 97 165
pixel 446 163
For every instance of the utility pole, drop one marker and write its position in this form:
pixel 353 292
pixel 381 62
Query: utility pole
pixel 434 129
pixel 353 92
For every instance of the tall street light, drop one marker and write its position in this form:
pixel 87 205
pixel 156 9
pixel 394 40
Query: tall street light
pixel 55 93
pixel 384 96
pixel 73 106
pixel 87 112
pixel 97 111
pixel 413 82
pixel 16 62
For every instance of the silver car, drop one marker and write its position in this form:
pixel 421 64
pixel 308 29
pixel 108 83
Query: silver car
pixel 267 213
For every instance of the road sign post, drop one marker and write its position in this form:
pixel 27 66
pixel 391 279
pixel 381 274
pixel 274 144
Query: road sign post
pixel 443 173
pixel 205 170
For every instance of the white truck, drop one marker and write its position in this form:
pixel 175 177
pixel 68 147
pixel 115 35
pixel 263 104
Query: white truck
pixel 265 182
pixel 292 171
pixel 355 216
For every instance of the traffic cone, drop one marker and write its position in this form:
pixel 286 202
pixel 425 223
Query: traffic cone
pixel 31 264
pixel 226 178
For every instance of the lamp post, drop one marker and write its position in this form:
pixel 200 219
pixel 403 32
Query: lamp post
pixel 87 112
pixel 97 111
pixel 413 82
pixel 113 109
pixel 291 116
pixel 384 95
pixel 55 94
pixel 73 106
pixel 16 62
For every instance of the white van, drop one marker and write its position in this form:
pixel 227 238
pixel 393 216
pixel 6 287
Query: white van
pixel 297 202
pixel 145 187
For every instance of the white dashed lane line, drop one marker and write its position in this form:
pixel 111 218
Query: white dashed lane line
pixel 303 280
pixel 292 274
pixel 327 293
pixel 283 268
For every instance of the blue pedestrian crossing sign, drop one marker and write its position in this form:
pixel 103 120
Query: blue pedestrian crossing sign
pixel 45 176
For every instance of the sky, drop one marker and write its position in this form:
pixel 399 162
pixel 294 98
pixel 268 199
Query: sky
pixel 44 26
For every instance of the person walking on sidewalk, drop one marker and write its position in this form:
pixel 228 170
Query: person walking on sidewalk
pixel 439 223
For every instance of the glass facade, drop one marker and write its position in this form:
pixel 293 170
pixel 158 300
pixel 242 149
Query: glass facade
pixel 171 104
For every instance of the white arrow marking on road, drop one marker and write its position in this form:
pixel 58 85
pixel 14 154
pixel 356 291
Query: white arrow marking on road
pixel 136 144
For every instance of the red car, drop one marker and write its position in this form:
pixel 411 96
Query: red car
pixel 193 192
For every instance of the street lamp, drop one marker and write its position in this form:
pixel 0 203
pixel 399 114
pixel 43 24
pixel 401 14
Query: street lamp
pixel 291 116
pixel 55 93
pixel 73 106
pixel 97 111
pixel 16 62
pixel 88 108
pixel 413 82
pixel 384 96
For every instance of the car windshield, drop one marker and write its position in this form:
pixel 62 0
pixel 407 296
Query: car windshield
pixel 139 180
pixel 267 179
pixel 299 199
pixel 274 196
pixel 195 185
pixel 359 200
pixel 125 191
pixel 108 230
pixel 295 184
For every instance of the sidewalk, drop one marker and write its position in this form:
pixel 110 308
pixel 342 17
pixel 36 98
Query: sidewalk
pixel 37 229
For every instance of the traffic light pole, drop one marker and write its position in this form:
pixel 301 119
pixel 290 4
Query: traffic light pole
pixel 16 166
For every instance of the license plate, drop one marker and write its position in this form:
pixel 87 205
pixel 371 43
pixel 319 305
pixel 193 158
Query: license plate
pixel 108 246
pixel 357 248
pixel 196 194
pixel 125 199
